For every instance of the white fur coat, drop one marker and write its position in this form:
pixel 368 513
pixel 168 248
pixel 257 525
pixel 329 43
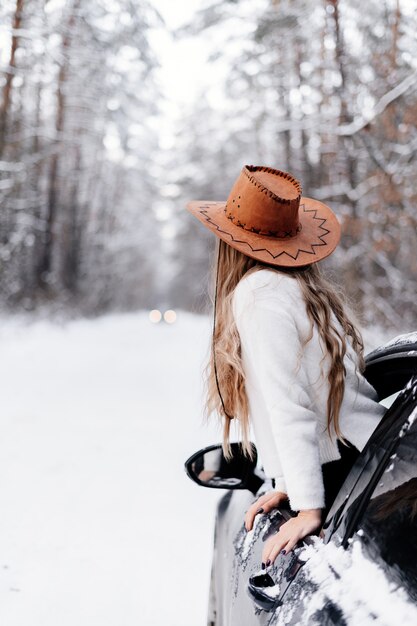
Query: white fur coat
pixel 287 391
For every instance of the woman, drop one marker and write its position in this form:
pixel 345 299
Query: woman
pixel 286 359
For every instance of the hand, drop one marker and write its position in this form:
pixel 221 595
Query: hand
pixel 296 528
pixel 264 504
pixel 206 475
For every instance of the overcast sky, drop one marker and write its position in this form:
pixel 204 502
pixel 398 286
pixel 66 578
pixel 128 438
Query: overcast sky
pixel 181 60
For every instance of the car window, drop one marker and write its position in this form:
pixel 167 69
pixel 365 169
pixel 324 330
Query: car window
pixel 389 524
pixel 364 477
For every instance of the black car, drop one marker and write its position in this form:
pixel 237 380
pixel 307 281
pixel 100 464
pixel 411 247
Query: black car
pixel 362 567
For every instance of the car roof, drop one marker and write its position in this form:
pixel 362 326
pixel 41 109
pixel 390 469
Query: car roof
pixel 390 367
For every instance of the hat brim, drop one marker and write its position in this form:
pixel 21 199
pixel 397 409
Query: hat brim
pixel 319 235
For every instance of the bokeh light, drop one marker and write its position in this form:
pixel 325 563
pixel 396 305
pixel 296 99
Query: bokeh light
pixel 155 316
pixel 170 316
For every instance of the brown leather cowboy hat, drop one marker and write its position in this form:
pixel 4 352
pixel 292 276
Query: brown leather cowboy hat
pixel 267 218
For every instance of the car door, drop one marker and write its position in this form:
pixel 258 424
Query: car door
pixel 389 457
pixel 237 554
pixel 381 512
pixel 389 369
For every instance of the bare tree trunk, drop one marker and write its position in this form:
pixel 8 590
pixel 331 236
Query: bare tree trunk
pixel 339 54
pixel 72 232
pixel 354 273
pixel 53 188
pixel 303 160
pixel 285 135
pixel 395 31
pixel 7 89
pixel 346 149
pixel 328 143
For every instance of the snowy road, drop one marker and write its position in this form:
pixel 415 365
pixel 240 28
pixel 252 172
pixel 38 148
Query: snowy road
pixel 99 526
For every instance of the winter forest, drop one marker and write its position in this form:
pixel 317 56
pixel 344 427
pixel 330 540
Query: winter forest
pixel 99 153
pixel 113 115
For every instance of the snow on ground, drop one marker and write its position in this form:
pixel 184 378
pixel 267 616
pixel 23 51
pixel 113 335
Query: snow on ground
pixel 99 525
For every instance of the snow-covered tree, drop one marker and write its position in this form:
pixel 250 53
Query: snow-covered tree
pixel 78 139
pixel 326 91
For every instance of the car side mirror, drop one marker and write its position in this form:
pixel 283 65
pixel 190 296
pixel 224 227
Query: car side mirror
pixel 209 468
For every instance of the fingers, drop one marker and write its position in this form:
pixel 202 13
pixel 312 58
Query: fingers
pixel 264 504
pixel 276 548
pixel 254 509
pixel 283 540
pixel 272 503
pixel 289 534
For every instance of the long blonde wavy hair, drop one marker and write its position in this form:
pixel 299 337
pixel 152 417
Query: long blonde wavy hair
pixel 321 298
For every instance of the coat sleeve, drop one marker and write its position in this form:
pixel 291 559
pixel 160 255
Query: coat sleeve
pixel 273 344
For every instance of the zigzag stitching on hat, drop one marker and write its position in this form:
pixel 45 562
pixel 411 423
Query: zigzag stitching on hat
pixel 270 233
pixel 275 256
pixel 271 170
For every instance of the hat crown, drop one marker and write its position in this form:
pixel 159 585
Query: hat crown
pixel 265 201
pixel 267 218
